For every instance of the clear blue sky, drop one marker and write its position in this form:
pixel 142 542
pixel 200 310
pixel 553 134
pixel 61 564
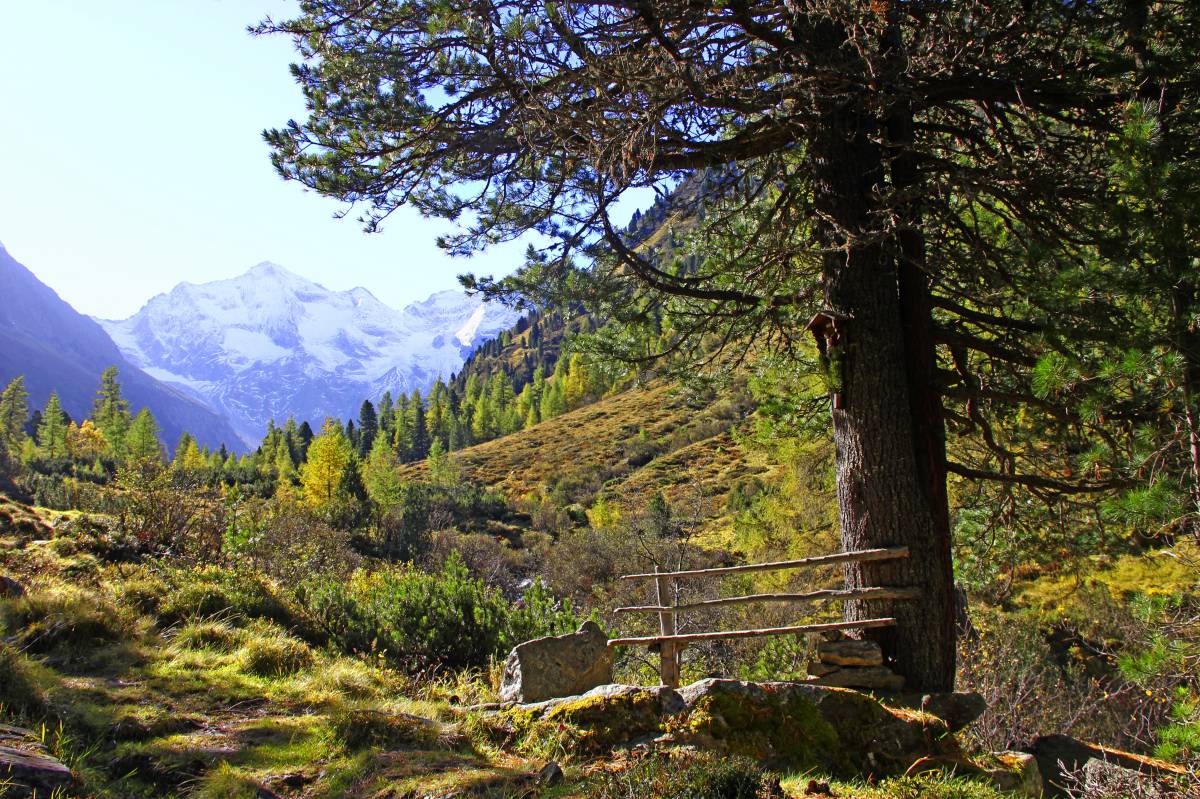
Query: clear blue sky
pixel 131 159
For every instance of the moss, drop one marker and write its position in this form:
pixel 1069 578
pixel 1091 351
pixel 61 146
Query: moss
pixel 788 730
pixel 587 725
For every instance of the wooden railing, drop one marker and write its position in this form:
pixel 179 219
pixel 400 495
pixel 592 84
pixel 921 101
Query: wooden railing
pixel 671 642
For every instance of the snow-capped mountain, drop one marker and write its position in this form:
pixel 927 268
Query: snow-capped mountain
pixel 271 344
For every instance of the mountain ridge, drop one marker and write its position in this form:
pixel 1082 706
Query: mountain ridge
pixel 271 343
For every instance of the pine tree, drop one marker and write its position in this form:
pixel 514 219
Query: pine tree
pixel 110 412
pixel 306 437
pixel 368 428
pixel 52 432
pixel 14 416
pixel 379 476
pixel 141 443
pixel 420 432
pixel 387 414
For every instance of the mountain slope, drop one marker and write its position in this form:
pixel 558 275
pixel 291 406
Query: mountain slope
pixel 625 447
pixel 271 344
pixel 59 349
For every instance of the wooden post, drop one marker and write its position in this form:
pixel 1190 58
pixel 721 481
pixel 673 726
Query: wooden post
pixel 668 650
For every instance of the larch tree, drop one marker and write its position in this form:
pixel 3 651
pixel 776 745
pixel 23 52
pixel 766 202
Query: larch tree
pixel 324 473
pixel 110 413
pixel 52 432
pixel 142 444
pixel 14 415
pixel 851 145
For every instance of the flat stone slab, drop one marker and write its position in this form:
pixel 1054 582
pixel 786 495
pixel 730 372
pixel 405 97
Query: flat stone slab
pixel 32 772
pixel 848 652
pixel 873 678
pixel 557 666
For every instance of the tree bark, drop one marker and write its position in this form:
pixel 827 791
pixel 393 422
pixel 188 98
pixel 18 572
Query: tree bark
pixel 887 426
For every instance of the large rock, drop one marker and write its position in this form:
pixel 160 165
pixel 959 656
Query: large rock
pixel 557 666
pixel 1062 759
pixel 849 652
pixel 805 726
pixel 32 773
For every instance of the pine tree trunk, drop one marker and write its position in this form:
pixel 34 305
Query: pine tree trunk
pixel 886 419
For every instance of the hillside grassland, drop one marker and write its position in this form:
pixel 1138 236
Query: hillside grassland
pixel 239 694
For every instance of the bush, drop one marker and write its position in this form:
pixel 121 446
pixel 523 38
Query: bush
pixel 702 777
pixel 417 620
pixel 69 623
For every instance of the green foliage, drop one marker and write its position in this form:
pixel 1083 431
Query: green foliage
pixel 230 594
pixel 141 442
pixel 52 432
pixel 540 615
pixel 416 620
pixel 446 620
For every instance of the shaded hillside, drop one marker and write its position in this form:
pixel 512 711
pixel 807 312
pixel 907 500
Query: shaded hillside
pixel 59 349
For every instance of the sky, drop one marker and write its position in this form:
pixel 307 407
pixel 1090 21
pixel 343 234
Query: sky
pixel 131 159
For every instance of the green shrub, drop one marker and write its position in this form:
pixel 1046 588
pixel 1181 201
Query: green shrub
pixel 66 622
pixel 274 655
pixel 417 620
pixel 19 692
pixel 540 615
pixel 359 728
pixel 701 777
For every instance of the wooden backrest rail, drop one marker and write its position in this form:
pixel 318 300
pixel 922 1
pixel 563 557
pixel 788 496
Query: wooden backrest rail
pixel 857 556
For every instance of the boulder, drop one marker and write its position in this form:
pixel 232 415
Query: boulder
pixel 873 678
pixel 849 652
pixel 1062 758
pixel 1016 772
pixel 804 726
pixel 819 669
pixel 795 725
pixel 958 710
pixel 557 666
pixel 32 773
